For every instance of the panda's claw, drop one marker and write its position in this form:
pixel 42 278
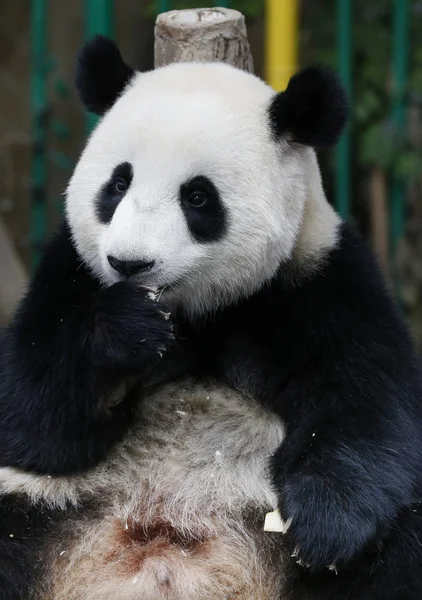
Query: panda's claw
pixel 303 564
pixel 166 315
pixel 138 328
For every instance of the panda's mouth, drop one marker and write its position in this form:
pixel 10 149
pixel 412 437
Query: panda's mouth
pixel 157 291
pixel 169 287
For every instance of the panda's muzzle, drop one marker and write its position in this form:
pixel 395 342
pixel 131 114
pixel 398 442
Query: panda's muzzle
pixel 128 268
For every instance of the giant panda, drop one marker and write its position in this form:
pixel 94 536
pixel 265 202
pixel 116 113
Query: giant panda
pixel 206 348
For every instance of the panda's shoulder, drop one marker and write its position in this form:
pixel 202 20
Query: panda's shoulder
pixel 350 285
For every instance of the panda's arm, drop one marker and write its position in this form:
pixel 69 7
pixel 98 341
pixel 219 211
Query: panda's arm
pixel 350 398
pixel 347 467
pixel 333 359
pixel 64 357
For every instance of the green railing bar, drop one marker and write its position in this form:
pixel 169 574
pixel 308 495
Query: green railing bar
pixel 400 66
pixel 99 18
pixel 163 6
pixel 344 45
pixel 39 115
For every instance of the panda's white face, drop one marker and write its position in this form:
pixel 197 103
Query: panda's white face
pixel 182 188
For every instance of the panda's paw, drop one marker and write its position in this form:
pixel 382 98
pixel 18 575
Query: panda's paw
pixel 326 528
pixel 129 328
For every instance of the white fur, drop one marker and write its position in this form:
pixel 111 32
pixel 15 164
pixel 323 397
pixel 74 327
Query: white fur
pixel 199 119
pixel 189 440
pixel 196 460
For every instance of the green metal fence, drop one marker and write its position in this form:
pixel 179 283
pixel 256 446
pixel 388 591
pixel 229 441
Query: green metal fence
pixel 344 46
pixel 400 67
pixel 99 18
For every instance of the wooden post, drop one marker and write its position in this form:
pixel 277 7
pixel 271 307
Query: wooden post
pixel 379 216
pixel 13 278
pixel 202 35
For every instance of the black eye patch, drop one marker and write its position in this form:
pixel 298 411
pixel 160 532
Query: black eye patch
pixel 113 191
pixel 204 212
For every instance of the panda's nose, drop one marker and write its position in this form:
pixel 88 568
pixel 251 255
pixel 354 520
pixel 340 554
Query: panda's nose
pixel 129 267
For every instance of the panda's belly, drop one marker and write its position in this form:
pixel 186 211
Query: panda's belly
pixel 181 507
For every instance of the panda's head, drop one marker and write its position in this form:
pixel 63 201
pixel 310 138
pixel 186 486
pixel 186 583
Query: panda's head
pixel 200 180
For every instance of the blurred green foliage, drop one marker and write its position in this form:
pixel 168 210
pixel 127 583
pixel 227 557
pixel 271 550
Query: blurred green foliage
pixel 378 142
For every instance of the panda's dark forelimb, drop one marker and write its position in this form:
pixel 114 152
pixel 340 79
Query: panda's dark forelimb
pixel 70 345
pixel 338 502
pixel 334 359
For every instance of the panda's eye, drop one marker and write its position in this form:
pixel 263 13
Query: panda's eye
pixel 120 185
pixel 203 209
pixel 197 199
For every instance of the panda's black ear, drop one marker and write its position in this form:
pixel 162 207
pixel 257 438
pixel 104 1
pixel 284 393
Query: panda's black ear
pixel 312 110
pixel 101 74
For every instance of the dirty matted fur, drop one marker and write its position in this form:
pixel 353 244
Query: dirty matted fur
pixel 181 506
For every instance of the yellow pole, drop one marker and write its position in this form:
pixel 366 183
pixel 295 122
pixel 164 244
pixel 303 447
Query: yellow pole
pixel 281 42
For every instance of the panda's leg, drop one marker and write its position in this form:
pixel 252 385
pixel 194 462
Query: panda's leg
pixel 24 531
pixel 16 565
pixel 70 345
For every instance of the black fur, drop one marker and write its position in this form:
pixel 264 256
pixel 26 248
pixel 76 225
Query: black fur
pixel 204 212
pixel 101 74
pixel 329 354
pixel 334 359
pixel 312 110
pixel 66 351
pixel 25 532
pixel 109 197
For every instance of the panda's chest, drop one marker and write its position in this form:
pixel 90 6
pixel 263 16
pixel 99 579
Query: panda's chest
pixel 184 519
pixel 203 448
